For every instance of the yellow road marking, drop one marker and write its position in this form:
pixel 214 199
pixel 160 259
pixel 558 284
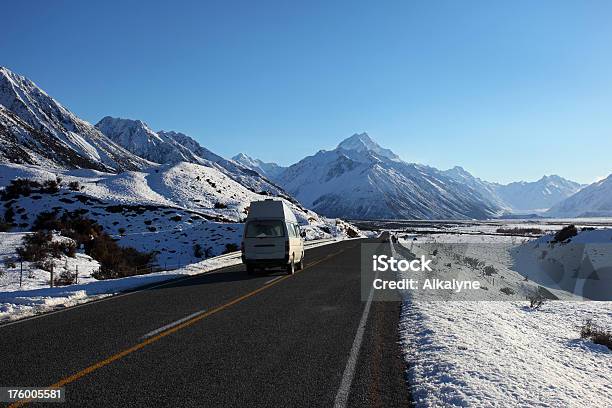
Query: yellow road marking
pixel 136 347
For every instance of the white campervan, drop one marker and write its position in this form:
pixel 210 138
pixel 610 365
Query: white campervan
pixel 272 237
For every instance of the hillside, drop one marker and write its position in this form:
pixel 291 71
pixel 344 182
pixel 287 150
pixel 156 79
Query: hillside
pixel 167 209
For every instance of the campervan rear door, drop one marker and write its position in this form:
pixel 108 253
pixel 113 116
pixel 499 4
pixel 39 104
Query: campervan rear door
pixel 265 239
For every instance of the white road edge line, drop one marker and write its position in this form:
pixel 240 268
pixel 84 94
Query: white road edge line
pixel 272 280
pixel 349 371
pixel 171 325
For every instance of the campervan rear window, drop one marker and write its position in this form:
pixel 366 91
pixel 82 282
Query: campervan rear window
pixel 265 229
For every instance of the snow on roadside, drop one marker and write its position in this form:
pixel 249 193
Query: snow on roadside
pixel 485 354
pixel 502 353
pixel 17 304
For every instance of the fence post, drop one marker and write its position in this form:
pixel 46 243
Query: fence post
pixel 51 275
pixel 20 272
pixel 76 276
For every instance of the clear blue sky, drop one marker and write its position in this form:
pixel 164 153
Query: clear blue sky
pixel 508 89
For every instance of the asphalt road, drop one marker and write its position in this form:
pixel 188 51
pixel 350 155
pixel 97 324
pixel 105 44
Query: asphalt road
pixel 241 341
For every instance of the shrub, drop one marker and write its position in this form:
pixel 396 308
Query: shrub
pixel 65 278
pixel 507 291
pixel 473 263
pixel 46 220
pixel 220 205
pixel 50 186
pixel 45 265
pixel 231 247
pixel 74 186
pixel 9 215
pixel 489 270
pixel 596 334
pixel 197 251
pixel 565 233
pixel 351 233
pixel 536 300
pixel 35 246
pixel 9 263
pixel 115 261
pixel 38 247
pixel 18 188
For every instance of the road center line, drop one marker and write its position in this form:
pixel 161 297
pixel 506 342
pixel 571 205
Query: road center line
pixel 272 280
pixel 349 371
pixel 204 314
pixel 171 325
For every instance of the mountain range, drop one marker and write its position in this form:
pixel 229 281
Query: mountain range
pixel 358 179
pixel 364 180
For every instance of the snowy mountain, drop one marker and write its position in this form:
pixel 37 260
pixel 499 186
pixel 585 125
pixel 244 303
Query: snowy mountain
pixel 36 129
pixel 363 143
pixel 360 179
pixel 537 195
pixel 520 196
pixel 269 170
pixel 138 138
pixel 487 189
pixel 594 200
pixel 169 147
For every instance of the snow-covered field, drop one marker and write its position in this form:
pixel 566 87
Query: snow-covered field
pixel 503 354
pixel 500 352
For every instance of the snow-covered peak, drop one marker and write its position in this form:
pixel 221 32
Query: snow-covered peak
pixel 246 159
pixel 38 130
pixel 594 200
pixel 362 142
pixel 459 173
pixel 132 134
pixel 269 170
pixel 537 195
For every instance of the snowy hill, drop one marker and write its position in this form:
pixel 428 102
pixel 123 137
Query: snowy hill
pixel 169 147
pixel 594 200
pixel 269 170
pixel 167 209
pixel 36 129
pixel 360 179
pixel 537 195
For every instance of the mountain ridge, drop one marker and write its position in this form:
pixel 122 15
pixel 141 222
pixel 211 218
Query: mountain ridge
pixel 37 121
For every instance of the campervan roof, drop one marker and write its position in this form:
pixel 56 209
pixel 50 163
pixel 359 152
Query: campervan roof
pixel 271 209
